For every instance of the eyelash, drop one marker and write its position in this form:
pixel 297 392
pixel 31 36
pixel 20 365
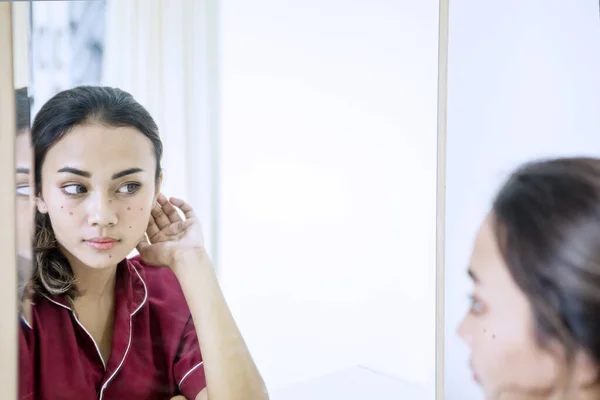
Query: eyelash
pixel 475 302
pixel 137 186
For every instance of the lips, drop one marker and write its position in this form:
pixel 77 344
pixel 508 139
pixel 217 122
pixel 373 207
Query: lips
pixel 475 376
pixel 102 243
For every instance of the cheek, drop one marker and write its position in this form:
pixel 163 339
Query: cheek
pixel 134 216
pixel 507 356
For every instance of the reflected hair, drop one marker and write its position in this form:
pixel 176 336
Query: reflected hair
pixel 23 107
pixel 547 224
pixel 52 273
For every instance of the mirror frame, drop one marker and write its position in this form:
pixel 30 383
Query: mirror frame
pixel 8 276
pixel 440 247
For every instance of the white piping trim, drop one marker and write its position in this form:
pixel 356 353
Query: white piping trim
pixel 130 335
pixel 145 291
pixel 25 321
pixel 189 372
pixel 82 327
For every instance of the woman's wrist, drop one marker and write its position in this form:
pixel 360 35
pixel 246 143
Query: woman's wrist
pixel 191 260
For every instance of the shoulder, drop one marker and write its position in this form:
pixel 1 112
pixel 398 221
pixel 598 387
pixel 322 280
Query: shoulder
pixel 163 291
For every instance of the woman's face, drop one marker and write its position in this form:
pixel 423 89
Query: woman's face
pixel 499 330
pixel 25 204
pixel 98 187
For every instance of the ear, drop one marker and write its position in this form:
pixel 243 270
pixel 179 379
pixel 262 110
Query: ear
pixel 41 205
pixel 158 186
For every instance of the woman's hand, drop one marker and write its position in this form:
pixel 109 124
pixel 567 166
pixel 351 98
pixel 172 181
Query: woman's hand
pixel 170 236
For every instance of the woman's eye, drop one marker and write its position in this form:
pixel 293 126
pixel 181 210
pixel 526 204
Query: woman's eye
pixel 476 307
pixel 23 190
pixel 74 189
pixel 129 188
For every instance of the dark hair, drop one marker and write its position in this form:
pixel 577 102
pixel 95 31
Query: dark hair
pixel 23 108
pixel 66 110
pixel 547 225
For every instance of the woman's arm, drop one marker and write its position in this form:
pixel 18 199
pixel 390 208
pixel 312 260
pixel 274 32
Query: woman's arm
pixel 229 369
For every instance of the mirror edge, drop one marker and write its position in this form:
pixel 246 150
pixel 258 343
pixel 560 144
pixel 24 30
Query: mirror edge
pixel 8 276
pixel 442 107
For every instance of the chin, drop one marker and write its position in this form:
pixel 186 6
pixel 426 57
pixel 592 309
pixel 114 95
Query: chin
pixel 101 259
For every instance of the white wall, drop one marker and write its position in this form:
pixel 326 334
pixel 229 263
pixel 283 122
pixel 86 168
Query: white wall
pixel 524 82
pixel 328 162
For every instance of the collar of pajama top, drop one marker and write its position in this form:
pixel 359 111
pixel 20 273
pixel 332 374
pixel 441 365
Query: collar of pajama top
pixel 155 352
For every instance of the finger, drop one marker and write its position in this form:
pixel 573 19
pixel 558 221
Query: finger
pixel 168 208
pixel 142 244
pixel 152 228
pixel 188 211
pixel 160 217
pixel 179 228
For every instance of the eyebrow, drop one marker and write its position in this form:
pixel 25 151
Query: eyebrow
pixel 22 170
pixel 473 276
pixel 86 174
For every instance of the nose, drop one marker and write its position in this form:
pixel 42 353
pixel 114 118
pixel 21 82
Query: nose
pixel 101 212
pixel 464 331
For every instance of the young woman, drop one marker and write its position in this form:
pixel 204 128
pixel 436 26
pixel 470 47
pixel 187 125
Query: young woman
pixel 101 325
pixel 534 324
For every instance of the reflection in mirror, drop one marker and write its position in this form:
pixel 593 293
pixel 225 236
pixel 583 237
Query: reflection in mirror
pixel 110 323
pixel 307 155
pixel 23 150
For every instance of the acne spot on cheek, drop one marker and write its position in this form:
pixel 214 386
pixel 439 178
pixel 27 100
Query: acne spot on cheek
pixel 493 336
pixel 70 213
pixel 141 209
pixel 110 202
pixel 110 256
pixel 129 227
pixel 129 208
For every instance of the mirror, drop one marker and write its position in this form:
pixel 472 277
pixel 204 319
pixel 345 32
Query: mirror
pixel 304 137
pixel 519 91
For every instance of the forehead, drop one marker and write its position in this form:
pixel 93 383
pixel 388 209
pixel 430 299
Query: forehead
pixel 98 146
pixel 486 260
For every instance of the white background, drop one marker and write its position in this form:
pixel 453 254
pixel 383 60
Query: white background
pixel 328 163
pixel 524 82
